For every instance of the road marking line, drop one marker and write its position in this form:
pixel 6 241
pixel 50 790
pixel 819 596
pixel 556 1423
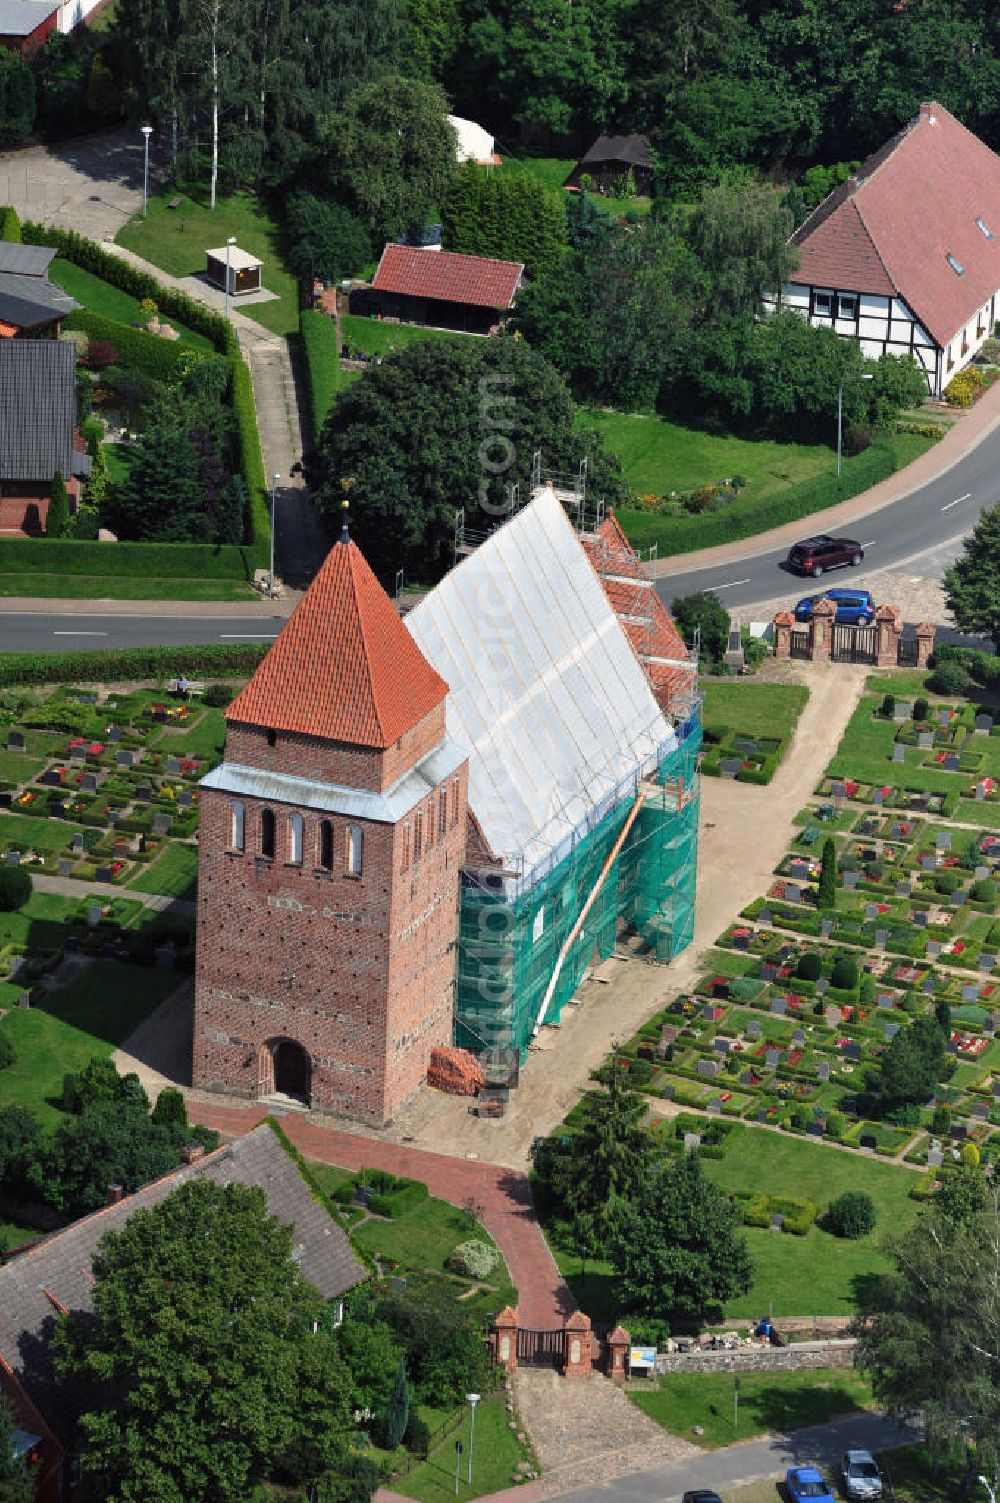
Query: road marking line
pixel 955 503
pixel 732 584
pixel 236 636
pixel 870 543
pixel 80 634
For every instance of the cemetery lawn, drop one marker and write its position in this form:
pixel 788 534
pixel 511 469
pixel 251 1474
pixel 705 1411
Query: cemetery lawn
pixel 495 1455
pixel 865 753
pixel 753 709
pixel 205 738
pixel 80 1022
pixel 173 874
pixel 176 241
pixel 779 1401
pixel 817 1274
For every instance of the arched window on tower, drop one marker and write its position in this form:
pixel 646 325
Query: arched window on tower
pixel 267 833
pixel 326 845
pixel 295 839
pixel 237 826
pixel 354 844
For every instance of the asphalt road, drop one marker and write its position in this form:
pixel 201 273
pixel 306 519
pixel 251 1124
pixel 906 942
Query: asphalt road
pixel 752 1461
pixel 43 631
pixel 937 514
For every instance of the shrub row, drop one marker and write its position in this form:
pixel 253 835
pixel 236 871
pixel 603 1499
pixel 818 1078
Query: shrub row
pixel 10 224
pixel 137 560
pixel 746 517
pixel 251 462
pixel 120 664
pixel 757 1210
pixel 154 356
pixel 984 667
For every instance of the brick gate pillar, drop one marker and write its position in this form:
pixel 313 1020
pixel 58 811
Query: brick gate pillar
pixel 618 1344
pixel 888 630
pixel 578 1355
pixel 783 623
pixel 505 1338
pixel 821 631
pixel 925 642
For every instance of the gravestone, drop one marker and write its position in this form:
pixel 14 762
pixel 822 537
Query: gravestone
pixel 951 763
pixel 866 827
pixel 798 1038
pixel 715 1107
pixel 779 1006
pixel 768 971
pixel 902 710
pixel 970 993
pixel 980 1110
pixel 891 1029
pixel 981 791
pixel 15 741
pixel 959 1130
pixel 800 871
pixel 65 866
pixel 173 766
pixel 6 798
pixel 981 873
pixel 754 1029
pixel 144 792
pixel 772 1058
pixel 793 893
pixel 76 843
pixel 935 1158
pixel 944 718
pixel 957 899
pixel 721 1046
pixel 745 748
pixel 942 840
pixel 765 916
pixel 826 927
pixel 853 1053
pixel 730 766
pixel 930 983
pixel 115 734
pixel 987 960
pixel 669 1091
pixel 816 1129
pixel 777 1221
pixel 920 917
pixel 77 753
pixel 983 725
pixel 103 874
pixel 838 791
pixel 933 949
pixel 121 850
pixel 823 985
pixel 886 1000
pixel 51 778
pixel 898 752
pixel 691 1140
pixel 24 999
pixel 741 939
pixel 94 914
pixel 871 912
pixel 18 967
pixel 761 1114
pixel 161 824
pixel 877 797
pixel 851 880
pixel 708 1068
pixel 881 938
pixel 708 1011
pixel 88 783
pixel 164 957
pixel 124 758
pixel 867 1140
pixel 903 889
pixel 991 1024
pixel 832 1016
pixel 925 740
pixel 747 1078
pixel 397 1285
pixel 13 858
pixel 996 1086
pixel 928 862
pixel 184 799
pixel 823 1069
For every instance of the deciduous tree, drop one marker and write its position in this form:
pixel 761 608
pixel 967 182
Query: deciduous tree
pixel 16 1482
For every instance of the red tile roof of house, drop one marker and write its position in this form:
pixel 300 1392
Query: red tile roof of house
pixel 447 276
pixel 344 666
pixel 892 226
pixel 646 621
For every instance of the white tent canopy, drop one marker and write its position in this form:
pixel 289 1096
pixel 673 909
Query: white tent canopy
pixel 474 143
pixel 547 695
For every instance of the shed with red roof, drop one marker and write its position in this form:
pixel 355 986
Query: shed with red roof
pixel 904 256
pixel 442 289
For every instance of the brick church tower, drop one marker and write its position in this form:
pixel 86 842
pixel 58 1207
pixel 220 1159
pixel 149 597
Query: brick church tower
pixel 328 872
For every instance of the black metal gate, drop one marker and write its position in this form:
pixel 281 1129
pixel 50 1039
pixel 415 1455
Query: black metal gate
pixel 798 644
pixel 853 644
pixel 540 1348
pixel 906 652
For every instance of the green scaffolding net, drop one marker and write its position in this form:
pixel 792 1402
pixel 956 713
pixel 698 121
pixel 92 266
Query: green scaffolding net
pixel 522 948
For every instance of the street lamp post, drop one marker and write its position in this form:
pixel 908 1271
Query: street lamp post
pixel 860 376
pixel 147 131
pixel 270 577
pixel 230 242
pixel 473 1399
pixel 989 1489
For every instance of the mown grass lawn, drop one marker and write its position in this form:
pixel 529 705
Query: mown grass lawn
pixel 173 874
pixel 177 239
pixel 659 456
pixel 423 1238
pixel 817 1274
pixel 495 1455
pixel 27 832
pixel 12 1234
pixel 205 738
pixel 110 302
pixel 553 172
pixel 865 753
pixel 754 709
pixel 123 587
pixel 768 1402
pixel 86 1020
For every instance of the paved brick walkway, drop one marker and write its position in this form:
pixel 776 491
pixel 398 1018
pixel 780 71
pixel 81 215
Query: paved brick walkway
pixel 503 1196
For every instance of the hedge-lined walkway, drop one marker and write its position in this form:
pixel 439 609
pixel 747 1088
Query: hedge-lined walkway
pixel 502 1196
pixel 72 887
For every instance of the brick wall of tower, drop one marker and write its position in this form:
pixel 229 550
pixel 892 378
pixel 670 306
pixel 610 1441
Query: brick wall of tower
pixel 334 761
pixel 358 970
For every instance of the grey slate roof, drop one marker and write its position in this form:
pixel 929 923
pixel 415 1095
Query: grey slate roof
pixel 37 408
pixel 25 260
pixel 18 18
pixel 31 300
pixel 631 149
pixel 55 1272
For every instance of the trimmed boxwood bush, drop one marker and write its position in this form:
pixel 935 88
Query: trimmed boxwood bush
pixel 947 882
pixel 985 890
pixel 404 1196
pixel 851 1215
pixel 810 966
pixel 920 709
pixel 15 888
pixel 949 678
pixel 844 975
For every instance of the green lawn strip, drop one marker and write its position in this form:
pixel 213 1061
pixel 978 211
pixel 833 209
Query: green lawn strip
pixel 205 738
pixel 817 1274
pixel 15 767
pixel 34 832
pixel 865 753
pixel 768 1402
pixel 119 459
pixel 326 378
pixel 917 1477
pixel 176 240
pixel 423 1238
pixel 754 709
pixel 495 1455
pixel 111 302
pixel 173 874
pixel 906 683
pixel 122 587
pixel 12 1234
pixel 88 1019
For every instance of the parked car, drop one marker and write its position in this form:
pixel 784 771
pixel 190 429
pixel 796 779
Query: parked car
pixel 862 1478
pixel 854 607
pixel 701 1495
pixel 815 555
pixel 806 1485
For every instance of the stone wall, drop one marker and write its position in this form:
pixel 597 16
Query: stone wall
pixel 800 1357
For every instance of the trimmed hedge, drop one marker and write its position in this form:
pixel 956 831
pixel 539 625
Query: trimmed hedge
pixel 10 224
pixel 747 517
pixel 139 560
pixel 149 353
pixel 119 664
pixel 984 667
pixel 404 1196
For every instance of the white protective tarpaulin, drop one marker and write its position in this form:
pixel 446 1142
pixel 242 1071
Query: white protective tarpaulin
pixel 474 143
pixel 546 693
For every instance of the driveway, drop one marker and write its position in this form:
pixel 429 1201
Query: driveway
pixel 91 185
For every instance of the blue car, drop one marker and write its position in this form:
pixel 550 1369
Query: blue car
pixel 806 1485
pixel 854 607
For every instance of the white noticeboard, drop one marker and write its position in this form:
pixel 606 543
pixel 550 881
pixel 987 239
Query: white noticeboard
pixel 642 1359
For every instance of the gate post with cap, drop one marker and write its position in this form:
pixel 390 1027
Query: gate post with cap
pixel 505 1338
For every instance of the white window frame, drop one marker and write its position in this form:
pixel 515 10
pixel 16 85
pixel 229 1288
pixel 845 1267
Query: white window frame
pixel 852 299
pixel 826 312
pixel 355 850
pixel 295 841
pixel 237 826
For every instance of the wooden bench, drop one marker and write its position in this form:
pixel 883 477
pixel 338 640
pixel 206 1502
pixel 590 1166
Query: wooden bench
pixel 192 686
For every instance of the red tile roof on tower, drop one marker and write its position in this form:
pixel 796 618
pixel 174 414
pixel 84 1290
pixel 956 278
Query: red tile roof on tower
pixel 647 622
pixel 447 277
pixel 931 192
pixel 344 666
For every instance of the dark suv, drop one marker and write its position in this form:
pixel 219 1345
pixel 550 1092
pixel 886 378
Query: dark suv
pixel 815 555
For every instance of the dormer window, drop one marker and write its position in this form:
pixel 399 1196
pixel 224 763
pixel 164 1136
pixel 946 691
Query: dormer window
pixel 984 228
pixel 955 264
